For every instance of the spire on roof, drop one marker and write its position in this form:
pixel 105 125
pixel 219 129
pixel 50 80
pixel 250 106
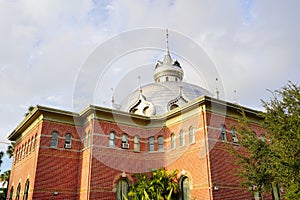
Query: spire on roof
pixel 140 84
pixel 167 58
pixel 112 97
pixel 167 42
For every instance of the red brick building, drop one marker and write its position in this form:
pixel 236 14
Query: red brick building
pixel 93 154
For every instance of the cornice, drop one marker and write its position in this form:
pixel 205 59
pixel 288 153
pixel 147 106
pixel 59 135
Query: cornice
pixel 203 103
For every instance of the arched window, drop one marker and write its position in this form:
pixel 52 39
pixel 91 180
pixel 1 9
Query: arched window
pixel 182 141
pixel 68 141
pixel 17 155
pixel 136 143
pixel 185 188
pixel 54 140
pixel 124 138
pixel 234 137
pixel 34 142
pixel 151 144
pixel 223 132
pixel 125 144
pixel 26 189
pixel 160 143
pixel 173 141
pixel 29 145
pixel 18 192
pixel 173 106
pixel 112 139
pixel 25 150
pixel 122 189
pixel 191 135
pixel 11 193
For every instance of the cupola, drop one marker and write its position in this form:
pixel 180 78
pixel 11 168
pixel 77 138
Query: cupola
pixel 167 70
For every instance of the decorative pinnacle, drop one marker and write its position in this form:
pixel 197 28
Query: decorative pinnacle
pixel 217 90
pixel 167 42
pixel 112 97
pixel 140 83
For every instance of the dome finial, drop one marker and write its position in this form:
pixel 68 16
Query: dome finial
pixel 140 84
pixel 167 58
pixel 112 97
pixel 167 42
pixel 217 90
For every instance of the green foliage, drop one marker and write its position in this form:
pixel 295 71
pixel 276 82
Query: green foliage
pixel 29 110
pixel 1 156
pixel 161 185
pixel 10 150
pixel 282 122
pixel 4 178
pixel 253 156
pixel 275 160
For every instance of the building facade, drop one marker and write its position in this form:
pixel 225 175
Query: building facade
pixel 94 154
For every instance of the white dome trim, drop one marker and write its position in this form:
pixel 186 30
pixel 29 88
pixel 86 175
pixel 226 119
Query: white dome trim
pixel 142 107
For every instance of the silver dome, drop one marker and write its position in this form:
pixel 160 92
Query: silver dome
pixel 167 93
pixel 163 96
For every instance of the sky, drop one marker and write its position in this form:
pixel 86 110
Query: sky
pixel 68 54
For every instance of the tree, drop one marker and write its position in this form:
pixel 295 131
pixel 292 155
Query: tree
pixel 1 156
pixel 274 158
pixel 10 150
pixel 29 110
pixel 282 123
pixel 253 159
pixel 4 178
pixel 161 185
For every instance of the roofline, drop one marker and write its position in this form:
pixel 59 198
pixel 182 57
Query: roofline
pixel 34 114
pixel 92 109
pixel 203 100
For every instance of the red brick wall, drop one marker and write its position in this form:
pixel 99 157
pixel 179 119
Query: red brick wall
pixel 225 183
pixel 57 168
pixel 24 164
pixel 92 172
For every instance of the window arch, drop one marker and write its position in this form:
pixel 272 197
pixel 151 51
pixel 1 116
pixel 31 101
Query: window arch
pixel 182 141
pixel 112 139
pixel 191 135
pixel 34 142
pixel 185 188
pixel 122 188
pixel 151 144
pixel 29 145
pixel 173 106
pixel 136 141
pixel 173 141
pixel 26 189
pixel 223 132
pixel 18 192
pixel 68 141
pixel 11 192
pixel 124 138
pixel 160 143
pixel 25 150
pixel 54 140
pixel 234 136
